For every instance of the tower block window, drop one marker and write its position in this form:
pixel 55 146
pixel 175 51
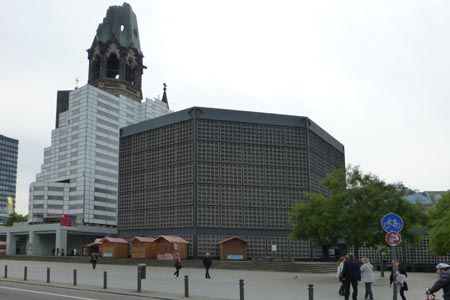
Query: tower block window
pixel 112 66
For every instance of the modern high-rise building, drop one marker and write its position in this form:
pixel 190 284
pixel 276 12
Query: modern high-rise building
pixel 79 175
pixel 80 171
pixel 8 175
pixel 209 174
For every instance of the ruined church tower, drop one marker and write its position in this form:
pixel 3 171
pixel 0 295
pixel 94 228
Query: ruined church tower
pixel 115 57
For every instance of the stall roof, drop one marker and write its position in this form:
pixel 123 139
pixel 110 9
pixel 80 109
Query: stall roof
pixel 115 240
pixel 232 238
pixel 96 242
pixel 143 239
pixel 172 239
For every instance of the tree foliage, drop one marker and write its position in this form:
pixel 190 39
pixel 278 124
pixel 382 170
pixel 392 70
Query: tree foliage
pixel 440 226
pixel 352 210
pixel 15 217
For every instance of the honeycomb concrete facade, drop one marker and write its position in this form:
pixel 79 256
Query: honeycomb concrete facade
pixel 208 174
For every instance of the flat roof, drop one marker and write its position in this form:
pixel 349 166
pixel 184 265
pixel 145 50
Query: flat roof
pixel 228 115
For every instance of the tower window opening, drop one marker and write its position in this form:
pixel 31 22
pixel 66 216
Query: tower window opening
pixel 96 67
pixel 122 27
pixel 112 68
pixel 129 73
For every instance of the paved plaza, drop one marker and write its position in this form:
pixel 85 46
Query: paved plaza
pixel 224 284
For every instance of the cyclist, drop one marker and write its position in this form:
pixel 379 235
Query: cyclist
pixel 443 282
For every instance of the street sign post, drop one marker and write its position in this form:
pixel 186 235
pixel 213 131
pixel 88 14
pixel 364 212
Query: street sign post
pixel 392 224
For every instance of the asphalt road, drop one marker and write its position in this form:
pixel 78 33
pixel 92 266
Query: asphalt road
pixel 15 291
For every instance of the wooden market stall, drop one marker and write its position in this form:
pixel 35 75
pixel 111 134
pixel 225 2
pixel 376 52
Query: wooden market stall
pixel 143 247
pixel 94 247
pixel 233 248
pixel 169 245
pixel 114 247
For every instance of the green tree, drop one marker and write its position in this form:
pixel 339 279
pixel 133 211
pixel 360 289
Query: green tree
pixel 15 217
pixel 352 211
pixel 440 226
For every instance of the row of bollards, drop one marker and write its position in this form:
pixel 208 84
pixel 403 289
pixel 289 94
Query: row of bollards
pixel 141 274
pixel 25 276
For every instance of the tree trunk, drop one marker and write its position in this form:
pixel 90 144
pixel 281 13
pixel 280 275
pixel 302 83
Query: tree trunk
pixel 356 253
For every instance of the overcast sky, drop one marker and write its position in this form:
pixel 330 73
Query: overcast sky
pixel 374 74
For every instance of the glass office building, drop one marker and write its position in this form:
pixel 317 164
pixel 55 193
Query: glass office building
pixel 8 175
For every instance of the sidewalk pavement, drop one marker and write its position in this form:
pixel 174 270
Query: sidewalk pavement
pixel 224 284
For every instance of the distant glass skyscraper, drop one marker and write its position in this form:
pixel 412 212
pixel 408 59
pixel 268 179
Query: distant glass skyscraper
pixel 8 175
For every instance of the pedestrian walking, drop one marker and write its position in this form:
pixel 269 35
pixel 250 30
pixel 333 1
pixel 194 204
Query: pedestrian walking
pixel 177 261
pixel 340 266
pixel 207 262
pixel 443 282
pixel 94 257
pixel 400 278
pixel 368 277
pixel 351 274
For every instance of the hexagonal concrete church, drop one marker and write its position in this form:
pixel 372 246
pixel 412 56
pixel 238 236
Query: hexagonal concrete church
pixel 209 174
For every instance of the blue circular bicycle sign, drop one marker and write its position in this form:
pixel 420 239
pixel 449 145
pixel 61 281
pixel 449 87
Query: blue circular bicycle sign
pixel 392 222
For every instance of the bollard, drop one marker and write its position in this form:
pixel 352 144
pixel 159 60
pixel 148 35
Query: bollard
pixel 74 277
pixel 139 280
pixel 142 269
pixel 241 289
pixel 310 291
pixel 186 286
pixel 25 269
pixel 6 271
pixel 105 280
pixel 48 275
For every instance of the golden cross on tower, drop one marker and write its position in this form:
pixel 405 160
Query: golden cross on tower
pixel 77 81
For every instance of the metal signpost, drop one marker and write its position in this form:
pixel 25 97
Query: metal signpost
pixel 392 224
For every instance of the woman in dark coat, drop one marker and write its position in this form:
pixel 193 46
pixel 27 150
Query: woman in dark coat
pixel 94 257
pixel 207 263
pixel 177 261
pixel 399 270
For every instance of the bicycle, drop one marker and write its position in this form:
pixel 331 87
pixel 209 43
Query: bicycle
pixel 430 296
pixel 392 223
